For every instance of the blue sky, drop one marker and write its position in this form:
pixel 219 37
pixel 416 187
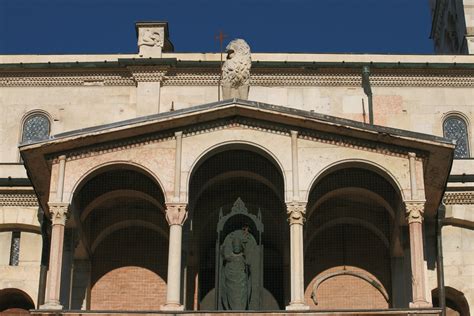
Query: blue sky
pixel 324 26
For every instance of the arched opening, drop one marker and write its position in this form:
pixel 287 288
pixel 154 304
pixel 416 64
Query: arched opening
pixel 117 241
pixel 15 301
pixel 456 128
pixel 456 303
pixel 354 245
pixel 219 179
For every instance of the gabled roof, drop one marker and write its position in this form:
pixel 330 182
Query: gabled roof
pixel 438 151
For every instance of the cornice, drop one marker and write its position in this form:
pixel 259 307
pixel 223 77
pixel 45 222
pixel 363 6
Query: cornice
pixel 148 73
pixel 259 77
pixel 18 199
pixel 65 78
pixel 119 145
pixel 243 123
pixel 452 198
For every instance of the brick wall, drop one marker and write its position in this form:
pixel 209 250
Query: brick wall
pixel 129 271
pixel 347 248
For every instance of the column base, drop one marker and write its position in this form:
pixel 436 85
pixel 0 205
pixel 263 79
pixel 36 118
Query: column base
pixel 51 306
pixel 172 307
pixel 420 304
pixel 297 306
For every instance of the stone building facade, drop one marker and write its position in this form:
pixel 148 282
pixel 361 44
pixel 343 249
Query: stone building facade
pixel 126 164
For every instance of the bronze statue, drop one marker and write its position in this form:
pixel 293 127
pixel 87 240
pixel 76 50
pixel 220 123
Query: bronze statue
pixel 239 273
pixel 236 274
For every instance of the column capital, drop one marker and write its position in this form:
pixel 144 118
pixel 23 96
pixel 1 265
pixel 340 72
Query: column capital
pixel 296 212
pixel 176 213
pixel 58 212
pixel 414 211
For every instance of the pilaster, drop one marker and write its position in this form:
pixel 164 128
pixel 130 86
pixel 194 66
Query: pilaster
pixel 148 80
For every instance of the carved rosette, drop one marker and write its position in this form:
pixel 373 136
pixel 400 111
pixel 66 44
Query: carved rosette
pixel 176 213
pixel 414 211
pixel 58 212
pixel 296 212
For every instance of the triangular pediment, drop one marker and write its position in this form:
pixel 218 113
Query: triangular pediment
pixel 272 118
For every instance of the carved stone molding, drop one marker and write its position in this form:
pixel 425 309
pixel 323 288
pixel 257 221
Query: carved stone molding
pixel 18 199
pixel 414 211
pixel 260 77
pixel 392 78
pixel 148 73
pixel 244 123
pixel 63 78
pixel 116 146
pixel 451 198
pixel 176 213
pixel 58 212
pixel 296 212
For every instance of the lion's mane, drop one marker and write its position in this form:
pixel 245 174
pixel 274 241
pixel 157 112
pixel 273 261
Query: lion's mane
pixel 236 70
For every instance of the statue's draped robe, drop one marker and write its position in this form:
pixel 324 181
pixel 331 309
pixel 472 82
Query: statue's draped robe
pixel 236 277
pixel 236 282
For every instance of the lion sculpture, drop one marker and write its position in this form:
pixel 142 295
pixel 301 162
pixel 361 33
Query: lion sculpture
pixel 236 70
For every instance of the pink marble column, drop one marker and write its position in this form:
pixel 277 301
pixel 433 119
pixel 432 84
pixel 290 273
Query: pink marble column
pixel 296 212
pixel 59 213
pixel 414 213
pixel 176 215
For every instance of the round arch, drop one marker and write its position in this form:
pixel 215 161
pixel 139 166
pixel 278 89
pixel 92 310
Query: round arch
pixel 353 190
pixel 119 210
pixel 356 163
pixel 29 114
pixel 15 300
pixel 455 300
pixel 116 164
pixel 239 145
pixel 349 221
pixel 217 178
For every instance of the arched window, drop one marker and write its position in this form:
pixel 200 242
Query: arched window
pixel 36 127
pixel 455 128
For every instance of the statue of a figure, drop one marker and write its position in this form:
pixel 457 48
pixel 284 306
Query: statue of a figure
pixel 236 70
pixel 237 251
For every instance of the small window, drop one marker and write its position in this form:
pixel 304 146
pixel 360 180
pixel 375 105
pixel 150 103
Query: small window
pixel 15 249
pixel 455 128
pixel 36 127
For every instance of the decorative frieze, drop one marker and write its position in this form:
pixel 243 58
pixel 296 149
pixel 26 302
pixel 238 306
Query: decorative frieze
pixel 451 198
pixel 148 73
pixel 296 212
pixel 58 212
pixel 18 199
pixel 259 77
pixel 414 211
pixel 115 146
pixel 176 213
pixel 60 79
pixel 244 123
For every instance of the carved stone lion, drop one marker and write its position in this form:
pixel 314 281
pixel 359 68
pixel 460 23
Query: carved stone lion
pixel 236 70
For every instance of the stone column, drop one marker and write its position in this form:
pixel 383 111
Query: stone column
pixel 59 213
pixel 296 212
pixel 414 213
pixel 176 215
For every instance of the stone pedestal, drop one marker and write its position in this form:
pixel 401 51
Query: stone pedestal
pixel 176 215
pixel 59 213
